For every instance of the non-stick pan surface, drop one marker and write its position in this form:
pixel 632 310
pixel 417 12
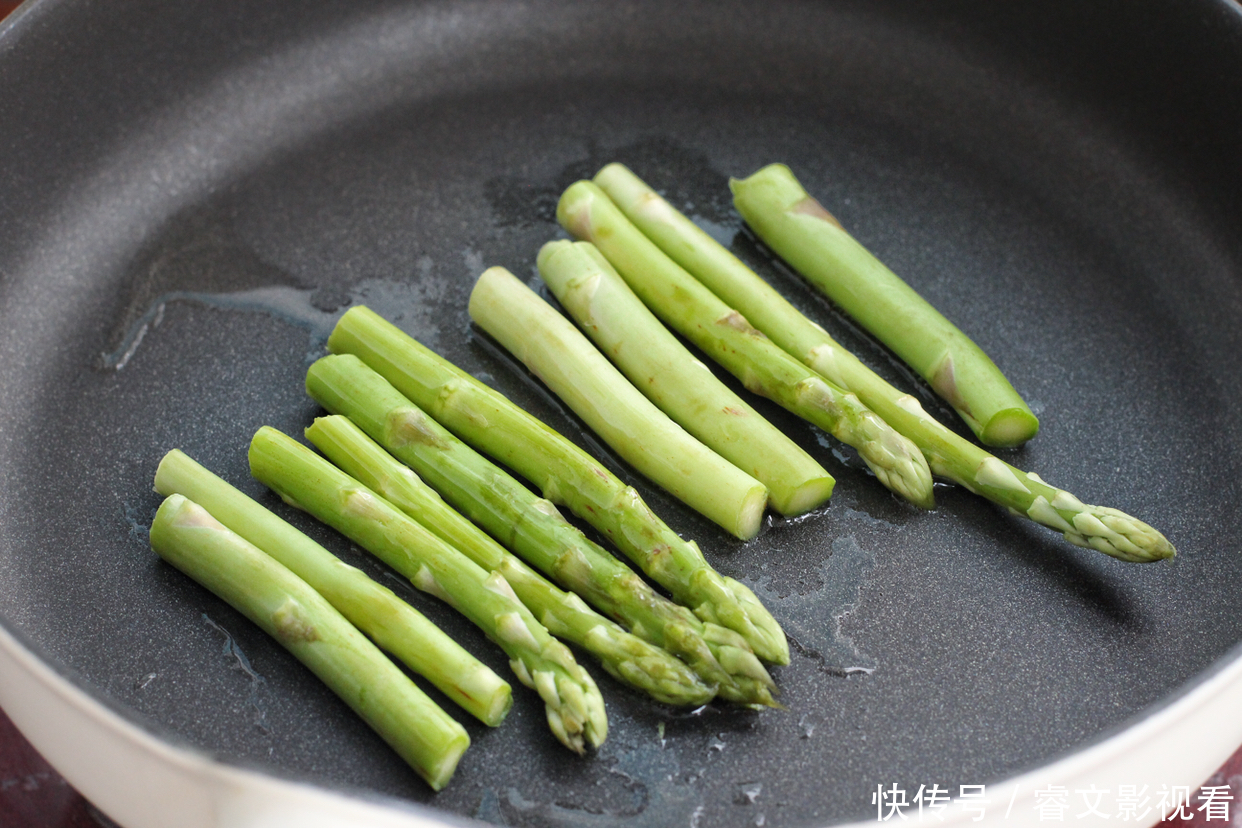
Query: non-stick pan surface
pixel 191 193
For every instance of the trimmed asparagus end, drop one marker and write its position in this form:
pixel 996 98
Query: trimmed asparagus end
pixel 750 513
pixel 573 211
pixel 438 774
pixel 1009 428
pixel 486 685
pixel 808 496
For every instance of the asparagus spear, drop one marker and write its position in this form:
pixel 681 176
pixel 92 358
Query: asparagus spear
pixel 557 352
pixel 374 609
pixel 807 236
pixel 286 608
pixel 533 528
pixel 948 454
pixel 564 473
pixel 727 337
pixel 665 370
pixel 625 657
pixel 574 707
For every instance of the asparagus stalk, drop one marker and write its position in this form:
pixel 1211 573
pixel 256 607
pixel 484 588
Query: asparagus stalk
pixel 672 378
pixel 563 472
pixel 801 231
pixel 572 702
pixel 286 608
pixel 534 529
pixel 557 352
pixel 626 657
pixel 729 338
pixel 949 455
pixel 374 609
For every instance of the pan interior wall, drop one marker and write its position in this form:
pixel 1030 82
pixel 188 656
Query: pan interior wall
pixel 169 287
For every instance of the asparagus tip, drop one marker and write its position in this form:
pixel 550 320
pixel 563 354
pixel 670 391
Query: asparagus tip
pixel 572 211
pixel 1119 535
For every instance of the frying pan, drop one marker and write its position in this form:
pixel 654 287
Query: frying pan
pixel 190 194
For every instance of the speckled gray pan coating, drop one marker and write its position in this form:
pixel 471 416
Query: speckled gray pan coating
pixel 189 194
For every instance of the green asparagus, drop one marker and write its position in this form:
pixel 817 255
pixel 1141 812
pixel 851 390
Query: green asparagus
pixel 572 702
pixel 289 610
pixel 533 528
pixel 803 233
pixel 665 370
pixel 564 473
pixel 626 657
pixel 557 352
pixel 374 609
pixel 729 338
pixel 949 455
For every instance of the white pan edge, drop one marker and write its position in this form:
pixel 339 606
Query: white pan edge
pixel 140 781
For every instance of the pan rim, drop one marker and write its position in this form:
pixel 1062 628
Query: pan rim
pixel 1179 741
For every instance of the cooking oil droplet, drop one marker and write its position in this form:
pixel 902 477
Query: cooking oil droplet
pixel 813 621
pixel 748 792
pixel 723 233
pixel 137 528
pixel 288 304
pixel 488 809
pixel 233 654
pixel 414 304
pixel 639 785
pixel 473 261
